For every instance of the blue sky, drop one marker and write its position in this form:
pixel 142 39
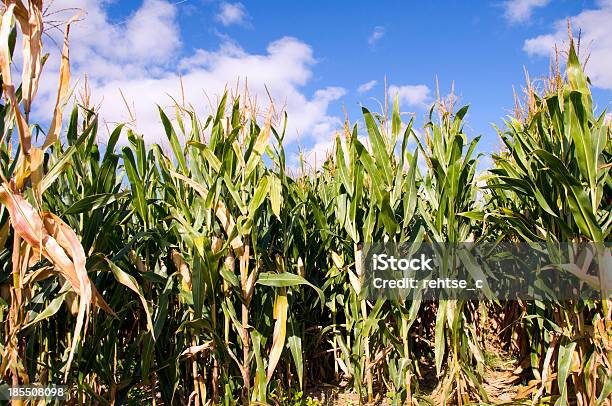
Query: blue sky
pixel 320 53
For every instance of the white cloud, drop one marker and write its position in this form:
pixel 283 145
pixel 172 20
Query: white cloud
pixel 410 95
pixel 367 86
pixel 139 58
pixel 377 34
pixel 517 11
pixel 596 41
pixel 150 35
pixel 542 44
pixel 231 13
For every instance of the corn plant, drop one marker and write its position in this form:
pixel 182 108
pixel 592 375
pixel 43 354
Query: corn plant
pixel 368 193
pixel 448 206
pixel 37 234
pixel 551 184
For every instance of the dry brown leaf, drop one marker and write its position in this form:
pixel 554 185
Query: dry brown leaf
pixel 26 222
pixel 8 87
pixel 38 275
pixel 72 303
pixel 181 266
pixel 62 92
pixel 37 157
pixel 57 242
pixel 31 23
pixel 69 241
pixel 191 351
pixel 280 332
pixel 216 244
pixel 5 31
pixel 264 136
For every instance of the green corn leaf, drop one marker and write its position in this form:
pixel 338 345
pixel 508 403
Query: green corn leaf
pixel 129 282
pixel 379 148
pixel 295 346
pixel 342 168
pixel 112 141
pixel 261 383
pixel 286 279
pixel 259 195
pixel 93 202
pixel 229 276
pixel 208 154
pixel 62 163
pixel 276 195
pixel 440 337
pixel 138 198
pixel 605 391
pixel 566 353
pixel 396 121
pixel 174 142
pixel 49 311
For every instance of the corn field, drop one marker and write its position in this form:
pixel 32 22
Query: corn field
pixel 206 270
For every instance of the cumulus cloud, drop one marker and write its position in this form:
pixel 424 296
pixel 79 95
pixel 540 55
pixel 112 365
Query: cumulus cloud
pixel 596 41
pixel 138 60
pixel 518 11
pixel 377 34
pixel 367 86
pixel 231 13
pixel 410 95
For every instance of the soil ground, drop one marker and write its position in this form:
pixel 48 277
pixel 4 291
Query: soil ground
pixel 502 385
